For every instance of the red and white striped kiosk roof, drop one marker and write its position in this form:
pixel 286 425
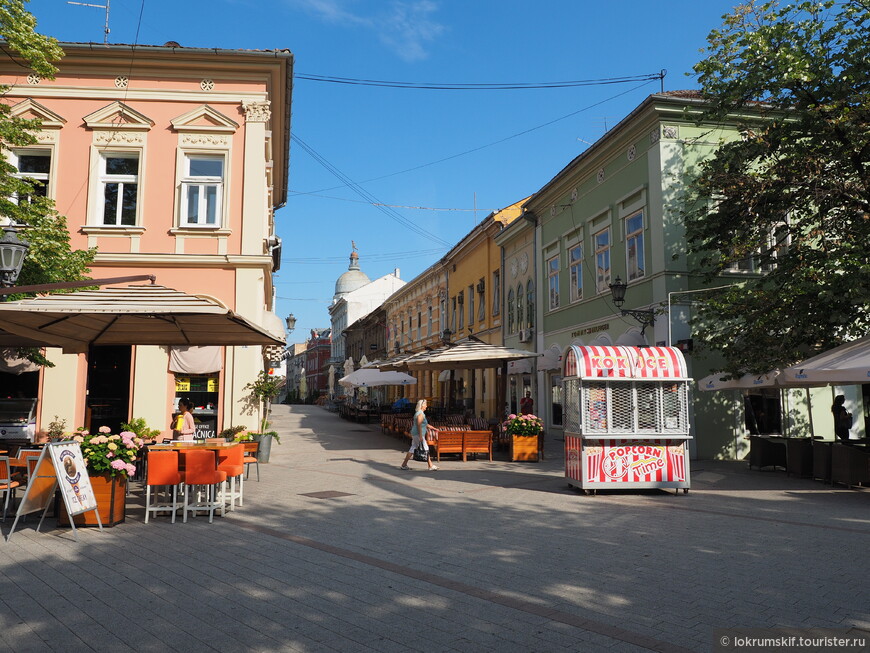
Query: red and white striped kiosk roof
pixel 628 363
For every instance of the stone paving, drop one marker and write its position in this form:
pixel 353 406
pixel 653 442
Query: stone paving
pixel 477 556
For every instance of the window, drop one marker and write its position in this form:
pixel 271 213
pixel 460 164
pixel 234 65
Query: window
pixel 553 281
pixel 481 303
pixel 496 292
pixel 602 260
pixel 119 181
pixel 34 165
pixel 461 299
pixel 575 271
pixel 470 305
pixel 530 304
pixel 419 325
pixel 520 303
pixel 410 328
pixel 510 311
pixel 429 327
pixel 202 191
pixel 634 246
pixel 453 316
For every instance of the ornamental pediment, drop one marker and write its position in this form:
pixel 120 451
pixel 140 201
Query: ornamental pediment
pixel 204 119
pixel 30 109
pixel 118 116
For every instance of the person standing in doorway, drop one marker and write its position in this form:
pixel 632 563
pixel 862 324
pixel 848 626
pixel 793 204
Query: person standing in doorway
pixel 527 404
pixel 842 418
pixel 419 427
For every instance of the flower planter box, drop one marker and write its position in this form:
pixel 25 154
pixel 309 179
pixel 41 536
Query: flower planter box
pixel 111 495
pixel 524 447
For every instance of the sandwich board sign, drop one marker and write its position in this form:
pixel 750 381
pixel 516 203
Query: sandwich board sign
pixel 60 465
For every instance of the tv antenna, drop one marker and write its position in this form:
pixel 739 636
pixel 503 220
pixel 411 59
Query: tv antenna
pixel 106 7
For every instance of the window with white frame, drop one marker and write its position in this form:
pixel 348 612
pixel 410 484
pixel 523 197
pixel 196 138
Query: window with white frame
pixel 453 314
pixel 202 190
pixel 553 281
pixel 530 304
pixel 34 165
pixel 429 323
pixel 470 305
pixel 510 311
pixel 520 304
pixel 419 325
pixel 481 302
pixel 119 183
pixel 575 271
pixel 496 292
pixel 602 260
pixel 635 262
pixel 461 299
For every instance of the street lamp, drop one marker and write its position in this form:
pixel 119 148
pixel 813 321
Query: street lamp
pixel 645 318
pixel 12 253
pixel 291 323
pixel 445 336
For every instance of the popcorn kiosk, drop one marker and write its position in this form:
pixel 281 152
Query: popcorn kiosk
pixel 626 418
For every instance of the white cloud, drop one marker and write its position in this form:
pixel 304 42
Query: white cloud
pixel 407 27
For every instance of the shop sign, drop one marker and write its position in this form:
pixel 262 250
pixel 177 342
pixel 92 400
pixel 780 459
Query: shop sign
pixel 589 330
pixel 182 384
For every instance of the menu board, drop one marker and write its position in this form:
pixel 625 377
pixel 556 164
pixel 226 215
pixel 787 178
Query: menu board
pixel 72 477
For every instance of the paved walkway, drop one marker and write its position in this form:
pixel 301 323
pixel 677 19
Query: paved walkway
pixel 337 549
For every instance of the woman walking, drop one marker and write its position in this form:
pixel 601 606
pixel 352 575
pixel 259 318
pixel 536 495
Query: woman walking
pixel 418 435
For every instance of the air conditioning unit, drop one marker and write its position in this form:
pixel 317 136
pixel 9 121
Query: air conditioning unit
pixel 526 335
pixel 480 286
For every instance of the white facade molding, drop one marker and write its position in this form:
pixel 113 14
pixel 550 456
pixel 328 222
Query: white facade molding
pixel 29 108
pixel 257 111
pixel 204 119
pixel 117 116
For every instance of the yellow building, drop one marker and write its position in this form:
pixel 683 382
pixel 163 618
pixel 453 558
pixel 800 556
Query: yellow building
pixel 458 296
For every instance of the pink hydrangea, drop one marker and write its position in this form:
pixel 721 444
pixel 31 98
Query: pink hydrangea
pixel 119 464
pixel 131 469
pixel 105 429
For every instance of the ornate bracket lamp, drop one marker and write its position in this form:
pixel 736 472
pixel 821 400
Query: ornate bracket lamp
pixel 291 322
pixel 645 318
pixel 445 336
pixel 12 253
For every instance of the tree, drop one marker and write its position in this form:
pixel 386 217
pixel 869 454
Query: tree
pixel 792 195
pixel 49 258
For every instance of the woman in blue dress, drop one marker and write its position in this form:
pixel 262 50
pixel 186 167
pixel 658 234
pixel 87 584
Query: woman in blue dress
pixel 418 435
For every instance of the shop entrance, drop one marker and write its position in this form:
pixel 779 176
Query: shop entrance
pixel 108 399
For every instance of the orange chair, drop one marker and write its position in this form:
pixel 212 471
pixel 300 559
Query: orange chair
pixel 201 476
pixel 252 449
pixel 7 485
pixel 162 473
pixel 26 455
pixel 232 461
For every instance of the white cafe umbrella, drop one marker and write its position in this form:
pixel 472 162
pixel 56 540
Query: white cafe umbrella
pixel 371 377
pixel 844 365
pixel 747 381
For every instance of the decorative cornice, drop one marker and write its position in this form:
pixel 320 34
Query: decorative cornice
pixel 221 140
pixel 184 260
pixel 257 111
pixel 115 138
pixel 106 118
pixel 214 120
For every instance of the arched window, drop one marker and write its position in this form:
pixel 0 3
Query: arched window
pixel 530 304
pixel 510 311
pixel 520 323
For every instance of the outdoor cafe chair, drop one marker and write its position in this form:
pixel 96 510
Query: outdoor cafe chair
pixel 162 472
pixel 26 455
pixel 202 479
pixel 252 449
pixel 231 461
pixel 7 485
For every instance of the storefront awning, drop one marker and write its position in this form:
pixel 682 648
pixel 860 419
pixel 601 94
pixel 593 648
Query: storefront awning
pixel 626 363
pixel 130 315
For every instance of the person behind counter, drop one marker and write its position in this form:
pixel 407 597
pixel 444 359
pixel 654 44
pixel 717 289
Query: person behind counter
pixel 842 418
pixel 185 427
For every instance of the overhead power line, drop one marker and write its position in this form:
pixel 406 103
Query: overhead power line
pixel 392 206
pixel 359 190
pixel 504 86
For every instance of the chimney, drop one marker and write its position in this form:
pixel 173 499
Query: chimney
pixel 396 273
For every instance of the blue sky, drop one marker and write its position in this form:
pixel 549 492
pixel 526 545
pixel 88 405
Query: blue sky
pixel 470 151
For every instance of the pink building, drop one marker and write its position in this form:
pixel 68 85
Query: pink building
pixel 169 161
pixel 317 362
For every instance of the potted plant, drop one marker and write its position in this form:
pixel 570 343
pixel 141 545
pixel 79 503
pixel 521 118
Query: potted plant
pixel 236 433
pixel 110 461
pixel 262 392
pixel 523 432
pixel 138 426
pixel 56 430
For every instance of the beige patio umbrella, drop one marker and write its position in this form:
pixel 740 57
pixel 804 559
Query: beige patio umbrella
pixel 470 353
pixel 130 315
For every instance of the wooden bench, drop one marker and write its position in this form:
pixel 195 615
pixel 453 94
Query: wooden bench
pixel 476 442
pixel 449 442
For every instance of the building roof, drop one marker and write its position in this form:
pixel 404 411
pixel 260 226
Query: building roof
pixel 353 279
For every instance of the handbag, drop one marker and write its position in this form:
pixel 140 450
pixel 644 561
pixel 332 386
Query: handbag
pixel 421 453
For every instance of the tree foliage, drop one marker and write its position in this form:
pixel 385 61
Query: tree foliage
pixel 49 258
pixel 793 194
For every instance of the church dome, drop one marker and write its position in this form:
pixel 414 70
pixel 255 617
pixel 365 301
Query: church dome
pixel 351 280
